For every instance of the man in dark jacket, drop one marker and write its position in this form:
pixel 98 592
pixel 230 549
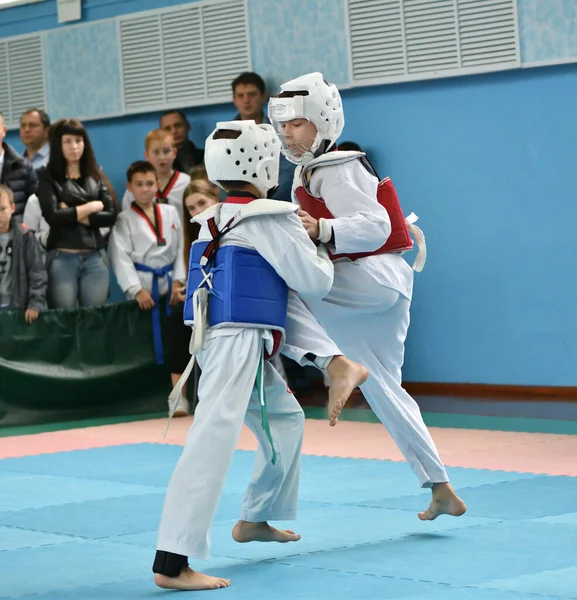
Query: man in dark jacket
pixel 187 154
pixel 249 96
pixel 17 173
pixel 23 278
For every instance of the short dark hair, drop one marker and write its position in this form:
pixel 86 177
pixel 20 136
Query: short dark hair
pixel 139 166
pixel 249 78
pixel 174 112
pixel 44 118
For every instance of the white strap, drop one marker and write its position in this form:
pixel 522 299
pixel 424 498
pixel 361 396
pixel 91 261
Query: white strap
pixel 200 307
pixel 176 394
pixel 419 238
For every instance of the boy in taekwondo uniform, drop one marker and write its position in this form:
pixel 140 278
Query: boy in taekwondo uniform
pixel 146 252
pixel 359 221
pixel 160 151
pixel 250 251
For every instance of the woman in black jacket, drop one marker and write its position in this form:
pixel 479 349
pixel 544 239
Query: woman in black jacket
pixel 76 203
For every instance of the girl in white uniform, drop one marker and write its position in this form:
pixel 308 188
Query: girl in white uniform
pixel 146 252
pixel 367 309
pixel 244 159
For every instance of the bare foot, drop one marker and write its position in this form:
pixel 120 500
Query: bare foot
pixel 445 502
pixel 345 376
pixel 262 532
pixel 190 580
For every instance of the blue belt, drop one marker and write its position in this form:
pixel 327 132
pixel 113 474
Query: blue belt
pixel 156 332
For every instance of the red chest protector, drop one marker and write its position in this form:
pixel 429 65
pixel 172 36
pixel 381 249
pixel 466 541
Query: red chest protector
pixel 399 239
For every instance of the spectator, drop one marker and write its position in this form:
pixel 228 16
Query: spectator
pixel 160 151
pixel 146 254
pixel 22 273
pixel 199 173
pixel 75 203
pixel 188 155
pixel 17 173
pixel 34 126
pixel 34 220
pixel 249 97
pixel 197 197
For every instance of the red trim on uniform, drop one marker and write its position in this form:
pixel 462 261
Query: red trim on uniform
pixel 277 339
pixel 157 231
pixel 212 227
pixel 398 241
pixel 164 194
pixel 239 200
pixel 159 236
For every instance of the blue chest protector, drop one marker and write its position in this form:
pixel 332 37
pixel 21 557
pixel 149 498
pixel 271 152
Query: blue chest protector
pixel 246 290
pixel 239 289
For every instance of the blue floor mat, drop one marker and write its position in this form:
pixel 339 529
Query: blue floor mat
pixel 83 525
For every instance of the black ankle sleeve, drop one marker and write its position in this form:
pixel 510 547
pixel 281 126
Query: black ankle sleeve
pixel 169 564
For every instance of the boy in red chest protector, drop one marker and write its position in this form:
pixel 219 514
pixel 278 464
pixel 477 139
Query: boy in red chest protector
pixel 367 310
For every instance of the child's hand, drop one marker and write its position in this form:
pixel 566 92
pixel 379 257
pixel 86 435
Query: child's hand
pixel 31 315
pixel 310 224
pixel 144 299
pixel 178 292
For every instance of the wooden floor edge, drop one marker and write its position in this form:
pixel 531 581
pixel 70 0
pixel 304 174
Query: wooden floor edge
pixel 501 392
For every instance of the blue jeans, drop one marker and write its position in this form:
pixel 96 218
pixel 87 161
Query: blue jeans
pixel 77 278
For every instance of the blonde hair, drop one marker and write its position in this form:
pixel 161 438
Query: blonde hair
pixel 6 191
pixel 158 135
pixel 198 172
pixel 199 175
pixel 191 230
pixel 200 186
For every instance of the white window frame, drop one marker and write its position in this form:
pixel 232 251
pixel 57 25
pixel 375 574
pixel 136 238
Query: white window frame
pixel 13 3
pixel 12 123
pixel 429 75
pixel 204 101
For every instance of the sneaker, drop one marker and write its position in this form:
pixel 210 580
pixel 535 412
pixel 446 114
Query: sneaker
pixel 181 409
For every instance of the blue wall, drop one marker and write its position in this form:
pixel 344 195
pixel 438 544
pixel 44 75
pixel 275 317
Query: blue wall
pixel 487 162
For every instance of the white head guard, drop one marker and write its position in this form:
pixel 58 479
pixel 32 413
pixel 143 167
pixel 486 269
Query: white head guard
pixel 314 100
pixel 252 156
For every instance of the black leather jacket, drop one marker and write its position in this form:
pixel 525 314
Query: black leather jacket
pixel 65 230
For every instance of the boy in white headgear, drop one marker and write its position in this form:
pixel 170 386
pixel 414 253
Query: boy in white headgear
pixel 250 251
pixel 358 220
